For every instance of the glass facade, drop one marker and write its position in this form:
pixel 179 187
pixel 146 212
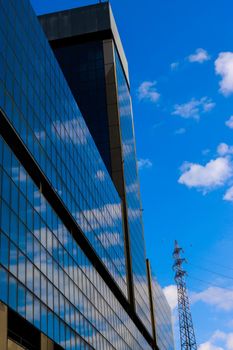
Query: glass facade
pixel 133 202
pixel 94 72
pixel 83 67
pixel 45 276
pixel 37 100
pixel 163 318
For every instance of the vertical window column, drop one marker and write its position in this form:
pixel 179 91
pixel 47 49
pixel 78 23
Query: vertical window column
pixel 117 169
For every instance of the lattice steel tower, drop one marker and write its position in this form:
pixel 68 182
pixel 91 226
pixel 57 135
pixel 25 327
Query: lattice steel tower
pixel 187 335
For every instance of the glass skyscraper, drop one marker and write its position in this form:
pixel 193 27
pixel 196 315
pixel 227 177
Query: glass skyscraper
pixel 93 61
pixel 72 255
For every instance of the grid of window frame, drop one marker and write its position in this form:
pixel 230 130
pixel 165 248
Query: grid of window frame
pixel 163 318
pixel 44 273
pixel 83 67
pixel 37 100
pixel 133 197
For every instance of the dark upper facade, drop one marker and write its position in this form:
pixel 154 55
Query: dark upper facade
pixel 72 274
pixel 82 40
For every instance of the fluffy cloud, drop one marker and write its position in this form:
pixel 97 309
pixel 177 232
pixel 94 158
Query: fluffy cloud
pixel 199 56
pixel 224 68
pixel 128 147
pixel 147 91
pixel 102 217
pixel 229 122
pixel 194 108
pixel 209 346
pixel 224 149
pixel 133 188
pixel 228 196
pixel 220 298
pixel 114 239
pixel 218 341
pixel 100 175
pixel 71 130
pixel 171 295
pixel 215 173
pixel 144 163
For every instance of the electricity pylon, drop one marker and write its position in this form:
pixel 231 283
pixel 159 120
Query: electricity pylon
pixel 187 335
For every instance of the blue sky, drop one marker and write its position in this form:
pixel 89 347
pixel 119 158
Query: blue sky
pixel 180 57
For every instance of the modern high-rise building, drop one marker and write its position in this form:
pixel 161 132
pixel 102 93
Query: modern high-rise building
pixel 72 255
pixel 88 48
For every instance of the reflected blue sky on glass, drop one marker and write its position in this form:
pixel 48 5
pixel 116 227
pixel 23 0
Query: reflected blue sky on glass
pixel 164 329
pixel 50 272
pixel 57 136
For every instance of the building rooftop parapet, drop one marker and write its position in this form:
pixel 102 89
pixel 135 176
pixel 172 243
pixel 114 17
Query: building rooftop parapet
pixel 89 20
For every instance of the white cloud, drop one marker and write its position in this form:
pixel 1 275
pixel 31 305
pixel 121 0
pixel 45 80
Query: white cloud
pixel 215 173
pixel 199 56
pixel 101 217
pixel 19 174
pixel 207 104
pixel 174 65
pixel 100 175
pixel 220 298
pixel 229 122
pixel 114 239
pixel 71 130
pixel 40 135
pixel 228 196
pixel 218 341
pixel 180 131
pixel 171 295
pixel 209 346
pixel 224 149
pixel 224 68
pixel 128 147
pixel 133 188
pixel 144 163
pixel 229 341
pixel 134 214
pixel 194 108
pixel 147 91
pixel 125 106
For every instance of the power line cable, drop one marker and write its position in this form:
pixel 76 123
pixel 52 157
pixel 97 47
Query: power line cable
pixel 217 264
pixel 214 272
pixel 209 283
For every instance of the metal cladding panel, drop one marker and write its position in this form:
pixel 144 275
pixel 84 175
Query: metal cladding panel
pixel 119 46
pixel 77 21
